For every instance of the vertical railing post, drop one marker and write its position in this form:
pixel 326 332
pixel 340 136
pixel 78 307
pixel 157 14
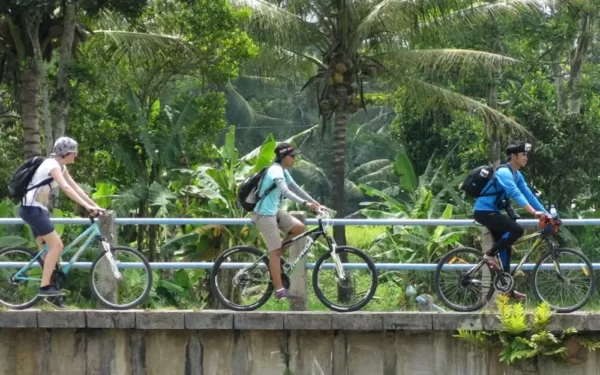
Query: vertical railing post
pixel 486 244
pixel 298 282
pixel 108 283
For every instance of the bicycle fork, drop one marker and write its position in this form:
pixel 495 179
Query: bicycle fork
pixel 111 259
pixel 339 267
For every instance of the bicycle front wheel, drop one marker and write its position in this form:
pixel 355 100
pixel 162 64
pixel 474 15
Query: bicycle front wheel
pixel 565 279
pixel 240 278
pixel 121 280
pixel 352 292
pixel 459 284
pixel 22 292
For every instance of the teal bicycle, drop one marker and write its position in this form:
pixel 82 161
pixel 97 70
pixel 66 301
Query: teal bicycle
pixel 120 277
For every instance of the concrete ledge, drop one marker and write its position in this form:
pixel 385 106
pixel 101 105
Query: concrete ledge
pixel 454 321
pixel 263 320
pixel 408 321
pixel 162 319
pixel 358 321
pixel 308 320
pixel 258 320
pixel 19 319
pixel 209 319
pixel 61 319
pixel 110 319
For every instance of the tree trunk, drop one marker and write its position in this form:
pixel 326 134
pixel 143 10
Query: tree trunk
pixel 578 56
pixel 339 178
pixel 559 82
pixel 33 31
pixel 63 92
pixel 30 78
pixel 339 161
pixel 495 141
pixel 141 228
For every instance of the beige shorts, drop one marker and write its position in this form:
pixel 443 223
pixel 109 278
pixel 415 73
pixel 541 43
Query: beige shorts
pixel 270 226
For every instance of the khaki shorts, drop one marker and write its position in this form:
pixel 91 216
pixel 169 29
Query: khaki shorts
pixel 270 226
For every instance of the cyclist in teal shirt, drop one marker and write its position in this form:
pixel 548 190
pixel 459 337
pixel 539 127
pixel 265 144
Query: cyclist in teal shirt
pixel 277 183
pixel 508 183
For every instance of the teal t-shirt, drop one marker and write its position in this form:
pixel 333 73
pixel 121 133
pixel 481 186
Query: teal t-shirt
pixel 269 205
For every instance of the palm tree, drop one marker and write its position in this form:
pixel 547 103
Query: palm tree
pixel 347 43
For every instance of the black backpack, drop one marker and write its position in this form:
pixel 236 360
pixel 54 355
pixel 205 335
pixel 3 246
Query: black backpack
pixel 248 190
pixel 476 180
pixel 17 186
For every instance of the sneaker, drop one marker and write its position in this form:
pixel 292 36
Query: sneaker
pixel 491 261
pixel 50 291
pixel 284 294
pixel 56 302
pixel 518 295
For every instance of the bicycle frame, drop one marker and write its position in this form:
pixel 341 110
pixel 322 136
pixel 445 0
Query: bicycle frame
pixel 92 233
pixel 313 235
pixel 540 238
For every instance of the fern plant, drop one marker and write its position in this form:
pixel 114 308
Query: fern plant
pixel 522 338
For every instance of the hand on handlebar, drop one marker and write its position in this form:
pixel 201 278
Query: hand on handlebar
pixel 313 206
pixel 542 215
pixel 95 211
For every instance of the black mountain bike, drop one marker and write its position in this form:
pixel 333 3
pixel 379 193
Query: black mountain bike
pixel 562 277
pixel 241 280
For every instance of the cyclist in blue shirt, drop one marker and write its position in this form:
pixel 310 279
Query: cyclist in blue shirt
pixel 508 184
pixel 277 183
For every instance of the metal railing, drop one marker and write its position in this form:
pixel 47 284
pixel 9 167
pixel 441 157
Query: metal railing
pixel 344 222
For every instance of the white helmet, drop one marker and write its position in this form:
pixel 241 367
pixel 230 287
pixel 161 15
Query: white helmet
pixel 64 146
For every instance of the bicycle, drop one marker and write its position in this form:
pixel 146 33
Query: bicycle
pixel 563 265
pixel 22 283
pixel 255 284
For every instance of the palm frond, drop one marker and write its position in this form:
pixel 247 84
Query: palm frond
pixel 382 175
pixel 465 19
pixel 312 173
pixel 436 95
pixel 277 61
pixel 237 109
pixel 368 168
pixel 388 16
pixel 352 191
pixel 438 60
pixel 277 26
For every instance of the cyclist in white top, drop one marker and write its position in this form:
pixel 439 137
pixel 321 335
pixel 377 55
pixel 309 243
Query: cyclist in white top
pixel 34 209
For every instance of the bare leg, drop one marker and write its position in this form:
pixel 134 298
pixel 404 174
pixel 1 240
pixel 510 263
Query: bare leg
pixel 40 244
pixel 275 256
pixel 55 246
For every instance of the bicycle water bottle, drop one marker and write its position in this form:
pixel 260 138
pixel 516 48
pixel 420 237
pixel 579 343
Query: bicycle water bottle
pixel 553 211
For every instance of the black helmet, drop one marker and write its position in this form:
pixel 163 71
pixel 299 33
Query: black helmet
pixel 517 147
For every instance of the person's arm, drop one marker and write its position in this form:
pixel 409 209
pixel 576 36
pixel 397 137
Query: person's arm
pixel 286 192
pixel 78 188
pixel 531 198
pixel 57 175
pixel 301 193
pixel 506 179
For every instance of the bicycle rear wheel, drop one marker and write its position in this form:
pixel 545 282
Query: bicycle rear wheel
pixel 135 280
pixel 459 286
pixel 358 286
pixel 19 294
pixel 565 279
pixel 241 287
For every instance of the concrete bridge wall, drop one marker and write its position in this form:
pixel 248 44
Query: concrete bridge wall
pixel 222 342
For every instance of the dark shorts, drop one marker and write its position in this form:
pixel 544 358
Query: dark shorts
pixel 38 219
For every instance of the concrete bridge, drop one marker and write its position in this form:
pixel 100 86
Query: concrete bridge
pixel 282 343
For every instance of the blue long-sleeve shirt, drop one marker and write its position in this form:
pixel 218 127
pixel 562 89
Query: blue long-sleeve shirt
pixel 509 184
